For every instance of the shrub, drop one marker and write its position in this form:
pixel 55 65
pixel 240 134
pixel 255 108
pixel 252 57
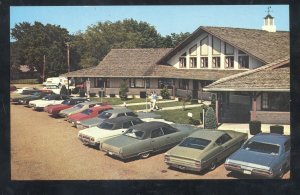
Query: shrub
pixel 63 90
pixel 276 129
pixel 165 93
pixel 194 121
pixel 92 94
pixel 123 90
pixel 185 99
pixel 255 127
pixel 81 93
pixel 210 120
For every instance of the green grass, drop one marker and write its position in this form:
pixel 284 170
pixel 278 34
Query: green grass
pixel 160 104
pixel 116 101
pixel 179 116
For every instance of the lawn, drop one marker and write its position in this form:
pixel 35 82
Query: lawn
pixel 160 104
pixel 117 101
pixel 179 116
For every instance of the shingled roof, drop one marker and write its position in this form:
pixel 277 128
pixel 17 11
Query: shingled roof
pixel 265 46
pixel 271 77
pixel 123 63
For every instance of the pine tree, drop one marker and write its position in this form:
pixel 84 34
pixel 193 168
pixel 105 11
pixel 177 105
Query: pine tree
pixel 210 119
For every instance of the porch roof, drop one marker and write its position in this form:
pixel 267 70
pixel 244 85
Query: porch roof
pixel 271 77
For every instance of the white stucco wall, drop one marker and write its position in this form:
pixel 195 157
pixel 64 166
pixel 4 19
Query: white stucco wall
pixel 174 61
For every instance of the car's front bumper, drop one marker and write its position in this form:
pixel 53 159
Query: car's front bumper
pixel 87 141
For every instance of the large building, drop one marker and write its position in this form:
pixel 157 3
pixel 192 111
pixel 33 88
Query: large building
pixel 209 54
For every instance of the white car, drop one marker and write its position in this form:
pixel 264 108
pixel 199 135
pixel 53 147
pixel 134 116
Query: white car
pixel 52 99
pixel 109 128
pixel 24 88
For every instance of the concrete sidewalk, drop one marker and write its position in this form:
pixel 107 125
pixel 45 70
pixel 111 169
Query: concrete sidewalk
pixel 173 107
pixel 144 103
pixel 244 127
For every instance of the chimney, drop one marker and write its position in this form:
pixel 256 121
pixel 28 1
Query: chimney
pixel 269 24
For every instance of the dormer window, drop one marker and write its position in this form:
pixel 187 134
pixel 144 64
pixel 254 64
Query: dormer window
pixel 229 56
pixel 216 62
pixel 216 46
pixel 204 46
pixel 182 61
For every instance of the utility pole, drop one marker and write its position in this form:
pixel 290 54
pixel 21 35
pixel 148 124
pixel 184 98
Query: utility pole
pixel 44 66
pixel 68 55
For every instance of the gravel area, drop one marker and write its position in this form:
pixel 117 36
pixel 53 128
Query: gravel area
pixel 45 148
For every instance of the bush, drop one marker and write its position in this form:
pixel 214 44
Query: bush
pixel 276 129
pixel 25 81
pixel 210 120
pixel 194 121
pixel 165 93
pixel 92 94
pixel 81 93
pixel 63 90
pixel 255 127
pixel 123 90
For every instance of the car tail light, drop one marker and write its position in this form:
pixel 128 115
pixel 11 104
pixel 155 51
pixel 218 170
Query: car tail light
pixel 198 164
pixel 167 158
pixel 232 166
pixel 262 172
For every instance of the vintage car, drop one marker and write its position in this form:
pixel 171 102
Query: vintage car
pixel 265 155
pixel 107 129
pixel 78 108
pixel 23 93
pixel 144 139
pixel 13 88
pixel 204 149
pixel 52 99
pixel 37 95
pixel 55 109
pixel 108 114
pixel 75 119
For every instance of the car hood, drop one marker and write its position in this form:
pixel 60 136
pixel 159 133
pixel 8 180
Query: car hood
pixel 92 121
pixel 247 157
pixel 70 110
pixel 185 152
pixel 77 116
pixel 96 132
pixel 121 141
pixel 59 107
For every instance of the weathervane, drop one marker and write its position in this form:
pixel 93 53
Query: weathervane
pixel 269 7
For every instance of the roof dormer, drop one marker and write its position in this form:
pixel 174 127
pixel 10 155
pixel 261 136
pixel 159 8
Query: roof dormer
pixel 269 23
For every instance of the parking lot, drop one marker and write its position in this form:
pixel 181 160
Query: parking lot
pixel 46 148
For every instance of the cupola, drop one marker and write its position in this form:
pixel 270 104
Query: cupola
pixel 269 23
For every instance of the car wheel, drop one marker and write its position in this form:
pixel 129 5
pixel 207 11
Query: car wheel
pixel 145 155
pixel 213 165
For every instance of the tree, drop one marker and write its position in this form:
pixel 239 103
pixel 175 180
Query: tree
pixel 172 40
pixel 123 90
pixel 210 119
pixel 35 41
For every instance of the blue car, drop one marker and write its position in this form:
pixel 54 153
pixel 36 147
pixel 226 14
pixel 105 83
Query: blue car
pixel 265 154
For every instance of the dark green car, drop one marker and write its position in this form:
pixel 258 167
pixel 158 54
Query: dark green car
pixel 143 139
pixel 204 149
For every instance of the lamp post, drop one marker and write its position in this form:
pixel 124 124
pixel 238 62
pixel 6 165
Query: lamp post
pixel 68 55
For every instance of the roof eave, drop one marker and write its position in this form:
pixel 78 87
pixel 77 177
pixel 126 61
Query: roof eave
pixel 246 89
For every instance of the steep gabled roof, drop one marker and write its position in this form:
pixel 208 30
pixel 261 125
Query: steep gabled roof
pixel 265 46
pixel 271 77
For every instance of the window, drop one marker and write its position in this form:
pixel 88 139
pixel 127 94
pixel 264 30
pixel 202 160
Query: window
pixel 276 102
pixel 196 143
pixel 127 125
pixel 193 50
pixel 139 83
pixel 216 45
pixel 168 130
pixel 137 121
pixel 204 46
pixel 121 114
pixel 229 62
pixel 287 146
pixel 168 83
pixel 183 84
pixel 204 62
pixel 130 114
pixel 182 62
pixel 107 126
pixel 228 49
pixel 223 139
pixel 243 61
pixel 216 62
pixel 156 133
pixel 193 62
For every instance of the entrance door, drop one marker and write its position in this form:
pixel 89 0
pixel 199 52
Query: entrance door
pixel 195 89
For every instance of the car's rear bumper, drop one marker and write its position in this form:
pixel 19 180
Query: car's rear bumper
pixel 248 170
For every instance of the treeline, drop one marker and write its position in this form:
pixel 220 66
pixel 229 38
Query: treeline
pixel 86 49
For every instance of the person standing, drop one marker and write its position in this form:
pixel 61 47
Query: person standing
pixel 154 99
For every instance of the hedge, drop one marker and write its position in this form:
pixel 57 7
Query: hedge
pixel 25 81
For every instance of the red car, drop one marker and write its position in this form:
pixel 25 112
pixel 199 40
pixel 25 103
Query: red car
pixel 55 109
pixel 88 113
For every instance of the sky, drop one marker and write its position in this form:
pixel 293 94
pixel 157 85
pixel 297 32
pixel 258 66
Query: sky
pixel 166 19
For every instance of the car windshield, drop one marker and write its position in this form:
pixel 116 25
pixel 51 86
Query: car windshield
pixel 262 147
pixel 66 102
pixel 36 93
pixel 87 111
pixel 134 133
pixel 104 115
pixel 106 126
pixel 78 106
pixel 196 143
